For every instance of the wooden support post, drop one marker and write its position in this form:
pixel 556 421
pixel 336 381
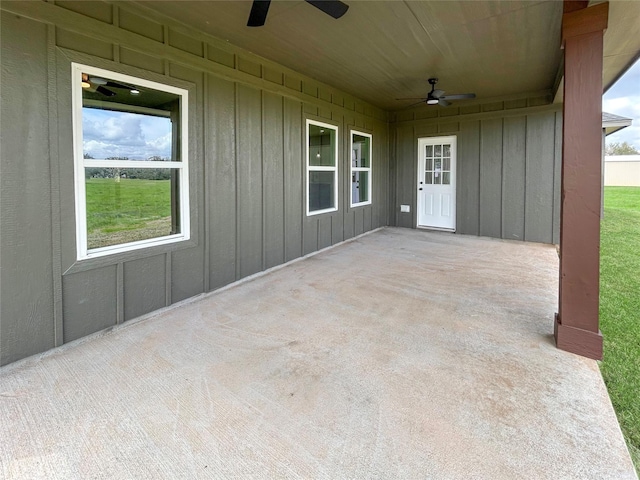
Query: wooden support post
pixel 576 327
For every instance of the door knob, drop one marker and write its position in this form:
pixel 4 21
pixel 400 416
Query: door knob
pixel 420 188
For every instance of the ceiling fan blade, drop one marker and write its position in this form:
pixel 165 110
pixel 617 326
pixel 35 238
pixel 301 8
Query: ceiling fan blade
pixel 460 96
pixel 334 8
pixel 443 103
pixel 412 98
pixel 437 93
pixel 105 91
pixel 258 14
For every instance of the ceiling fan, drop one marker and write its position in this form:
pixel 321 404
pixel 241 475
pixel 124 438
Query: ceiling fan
pixel 437 97
pixel 97 84
pixel 260 8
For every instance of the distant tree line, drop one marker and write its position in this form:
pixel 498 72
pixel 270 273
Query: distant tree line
pixel 624 148
pixel 119 172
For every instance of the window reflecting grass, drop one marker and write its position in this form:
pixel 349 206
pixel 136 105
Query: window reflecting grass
pixel 122 210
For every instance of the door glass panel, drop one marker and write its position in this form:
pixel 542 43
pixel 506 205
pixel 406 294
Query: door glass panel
pixel 446 164
pixel 429 164
pixel 446 150
pixel 429 151
pixel 446 178
pixel 428 178
pixel 437 178
pixel 438 151
pixel 438 165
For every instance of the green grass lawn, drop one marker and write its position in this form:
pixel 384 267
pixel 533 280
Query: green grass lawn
pixel 620 308
pixel 126 211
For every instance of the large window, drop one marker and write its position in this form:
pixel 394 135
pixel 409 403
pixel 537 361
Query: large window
pixel 322 167
pixel 131 176
pixel 360 168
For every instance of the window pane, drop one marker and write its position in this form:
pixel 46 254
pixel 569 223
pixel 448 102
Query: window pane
pixel 446 164
pixel 322 146
pixel 446 150
pixel 437 176
pixel 437 151
pixel 121 125
pixel 428 178
pixel 446 178
pixel 429 164
pixel 429 151
pixel 360 187
pixel 130 204
pixel 361 151
pixel 321 191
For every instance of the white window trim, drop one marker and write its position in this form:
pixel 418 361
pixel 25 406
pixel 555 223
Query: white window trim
pixel 80 163
pixel 311 168
pixel 360 169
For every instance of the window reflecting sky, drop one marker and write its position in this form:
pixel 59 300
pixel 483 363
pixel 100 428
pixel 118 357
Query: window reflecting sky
pixel 108 133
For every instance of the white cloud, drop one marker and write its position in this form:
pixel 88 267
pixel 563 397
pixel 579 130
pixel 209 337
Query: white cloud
pixel 121 134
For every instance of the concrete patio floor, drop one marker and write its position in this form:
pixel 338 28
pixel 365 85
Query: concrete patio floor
pixel 402 354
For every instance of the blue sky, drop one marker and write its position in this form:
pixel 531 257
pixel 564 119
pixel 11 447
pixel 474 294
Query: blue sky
pixel 623 99
pixel 119 134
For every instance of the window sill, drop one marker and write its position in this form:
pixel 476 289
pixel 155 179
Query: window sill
pixel 320 212
pixel 143 251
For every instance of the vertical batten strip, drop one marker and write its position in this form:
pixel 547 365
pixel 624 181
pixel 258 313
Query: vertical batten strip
pixel 263 157
pixel 119 293
pixel 54 169
pixel 167 277
pixel 284 182
pixel 235 166
pixel 206 174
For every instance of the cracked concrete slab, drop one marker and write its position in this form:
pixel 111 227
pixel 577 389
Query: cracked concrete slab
pixel 402 354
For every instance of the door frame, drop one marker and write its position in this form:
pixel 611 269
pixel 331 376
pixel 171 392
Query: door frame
pixel 422 141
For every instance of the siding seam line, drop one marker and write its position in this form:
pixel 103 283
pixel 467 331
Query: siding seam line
pixel 167 277
pixel 207 178
pixel 262 176
pixel 526 169
pixel 235 166
pixel 501 176
pixel 284 184
pixel 119 293
pixel 54 189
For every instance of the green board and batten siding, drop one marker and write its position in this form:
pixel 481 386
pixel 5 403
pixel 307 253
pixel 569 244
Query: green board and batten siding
pixel 246 165
pixel 508 169
pixel 247 169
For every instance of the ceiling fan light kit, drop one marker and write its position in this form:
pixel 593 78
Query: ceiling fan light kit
pixel 99 84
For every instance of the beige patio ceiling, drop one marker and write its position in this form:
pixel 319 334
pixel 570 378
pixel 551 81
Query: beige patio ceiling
pixel 382 50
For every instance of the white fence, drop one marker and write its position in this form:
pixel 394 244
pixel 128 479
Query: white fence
pixel 622 170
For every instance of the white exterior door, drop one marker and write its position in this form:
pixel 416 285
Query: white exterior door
pixel 437 183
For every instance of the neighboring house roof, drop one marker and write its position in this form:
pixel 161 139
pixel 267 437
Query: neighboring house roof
pixel 612 123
